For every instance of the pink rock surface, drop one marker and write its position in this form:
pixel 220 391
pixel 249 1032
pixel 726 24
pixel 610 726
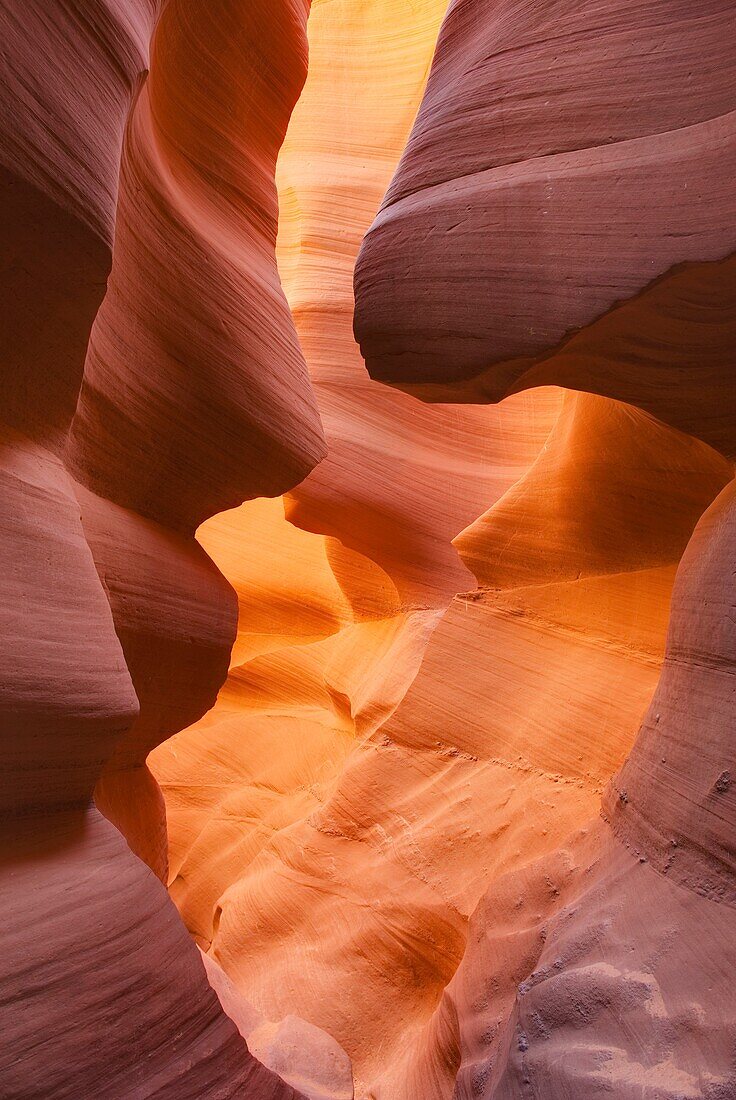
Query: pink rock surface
pixel 66 692
pixel 572 986
pixel 59 165
pixel 559 216
pixel 175 616
pixel 117 627
pixel 554 183
pixel 365 786
pixel 303 1055
pixel 103 991
pixel 419 824
pixel 191 403
pixel 673 801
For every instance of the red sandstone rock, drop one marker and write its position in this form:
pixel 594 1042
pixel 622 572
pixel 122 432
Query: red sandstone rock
pixel 334 827
pixel 674 801
pixel 103 991
pixel 400 479
pixel 586 974
pixel 304 1056
pixel 66 694
pixel 195 394
pixel 175 616
pixel 554 183
pixel 558 218
pixel 67 78
pixel 117 629
pixel 389 821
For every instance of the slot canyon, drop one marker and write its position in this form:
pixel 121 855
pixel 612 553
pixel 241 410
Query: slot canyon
pixel 368 541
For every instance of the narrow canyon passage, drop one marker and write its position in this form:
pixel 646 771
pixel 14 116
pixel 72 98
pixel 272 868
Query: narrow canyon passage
pixel 408 719
pixel 368 511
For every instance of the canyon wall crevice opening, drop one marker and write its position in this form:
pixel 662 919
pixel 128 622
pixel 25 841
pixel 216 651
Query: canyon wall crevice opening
pixel 431 739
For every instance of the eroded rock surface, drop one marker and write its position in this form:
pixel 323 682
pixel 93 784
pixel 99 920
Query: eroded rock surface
pixel 397 796
pixel 605 981
pixel 557 200
pixel 460 822
pixel 116 626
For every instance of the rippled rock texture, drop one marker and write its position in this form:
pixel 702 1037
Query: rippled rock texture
pixel 429 730
pixel 390 822
pixel 145 386
pixel 565 190
pixel 562 215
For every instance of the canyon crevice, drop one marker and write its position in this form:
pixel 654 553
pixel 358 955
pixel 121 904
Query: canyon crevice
pixel 369 526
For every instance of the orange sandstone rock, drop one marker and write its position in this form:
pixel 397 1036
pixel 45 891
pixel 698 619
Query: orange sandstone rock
pixel 117 628
pixel 371 779
pixel 386 831
pixel 592 246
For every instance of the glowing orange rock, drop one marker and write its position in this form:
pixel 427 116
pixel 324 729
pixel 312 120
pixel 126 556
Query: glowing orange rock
pixel 118 628
pixel 370 779
pixel 591 253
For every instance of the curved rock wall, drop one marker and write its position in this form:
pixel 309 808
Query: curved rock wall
pixel 602 197
pixel 418 816
pixel 547 146
pixel 389 822
pixel 117 627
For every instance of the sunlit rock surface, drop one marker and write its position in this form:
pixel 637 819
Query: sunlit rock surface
pixel 396 800
pixel 598 969
pixel 419 697
pixel 116 626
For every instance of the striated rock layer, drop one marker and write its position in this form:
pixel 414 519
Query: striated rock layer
pixel 389 823
pixel 193 396
pixel 419 848
pixel 557 200
pixel 560 216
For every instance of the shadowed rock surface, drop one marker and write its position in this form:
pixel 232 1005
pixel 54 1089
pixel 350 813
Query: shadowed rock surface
pixel 117 627
pixel 411 721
